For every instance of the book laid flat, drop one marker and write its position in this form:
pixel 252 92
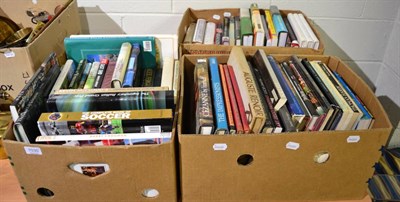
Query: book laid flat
pixel 203 103
pixel 78 48
pixel 111 101
pixel 248 89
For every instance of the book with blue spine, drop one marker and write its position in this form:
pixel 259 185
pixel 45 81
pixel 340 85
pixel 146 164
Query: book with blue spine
pixel 132 66
pixel 366 117
pixel 294 106
pixel 279 24
pixel 221 123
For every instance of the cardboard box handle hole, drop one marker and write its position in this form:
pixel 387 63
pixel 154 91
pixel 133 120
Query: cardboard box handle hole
pixel 150 193
pixel 321 157
pixel 45 192
pixel 245 159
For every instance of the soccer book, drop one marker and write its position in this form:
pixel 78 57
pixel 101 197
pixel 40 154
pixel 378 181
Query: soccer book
pixel 163 99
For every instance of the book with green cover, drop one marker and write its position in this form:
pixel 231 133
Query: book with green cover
pixel 78 47
pixel 246 27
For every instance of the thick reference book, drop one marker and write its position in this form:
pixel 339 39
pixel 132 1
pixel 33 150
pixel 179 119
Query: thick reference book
pixel 248 90
pixel 162 99
pixel 221 123
pixel 78 47
pixel 204 117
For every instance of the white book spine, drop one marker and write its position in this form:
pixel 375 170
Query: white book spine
pixel 210 33
pixel 167 72
pixel 310 31
pixel 199 32
pixel 310 42
pixel 297 31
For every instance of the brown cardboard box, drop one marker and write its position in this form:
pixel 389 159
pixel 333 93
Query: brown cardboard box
pixel 133 170
pixel 191 15
pixel 15 71
pixel 260 167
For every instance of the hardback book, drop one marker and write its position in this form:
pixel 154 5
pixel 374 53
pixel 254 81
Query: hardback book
pixel 294 107
pixel 219 32
pixel 347 111
pixel 225 33
pixel 243 127
pixel 199 31
pixel 330 124
pixel 85 75
pixel 25 128
pixel 301 38
pixel 238 37
pixel 209 33
pixel 104 122
pixel 226 96
pixel 267 71
pixel 268 40
pixel 279 25
pixel 232 39
pixel 309 41
pixel 271 28
pixel 121 65
pixel 109 71
pixel 76 78
pixel 220 122
pixel 111 101
pixel 148 77
pixel 176 80
pixel 246 28
pixel 272 122
pixel 19 103
pixel 291 35
pixel 366 119
pixel 204 116
pixel 309 31
pixel 311 94
pixel 168 71
pixel 100 73
pixel 132 66
pixel 65 76
pixel 78 47
pixel 189 33
pixel 324 108
pixel 248 89
pixel 92 75
pixel 258 30
pixel 286 120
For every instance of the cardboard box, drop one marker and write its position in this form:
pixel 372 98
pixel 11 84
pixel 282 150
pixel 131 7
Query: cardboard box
pixel 134 170
pixel 18 64
pixel 191 15
pixel 260 167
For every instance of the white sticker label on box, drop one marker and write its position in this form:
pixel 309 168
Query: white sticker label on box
pixel 9 54
pixel 220 147
pixel 216 17
pixel 292 145
pixel 227 14
pixel 33 150
pixel 353 139
pixel 147 46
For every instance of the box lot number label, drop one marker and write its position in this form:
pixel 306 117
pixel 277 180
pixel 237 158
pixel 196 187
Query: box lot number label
pixel 33 150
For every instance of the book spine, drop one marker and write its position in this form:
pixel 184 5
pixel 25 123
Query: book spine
pixel 199 32
pixel 271 27
pixel 288 125
pixel 85 75
pixel 204 112
pixel 232 38
pixel 121 65
pixel 189 33
pixel 228 107
pixel 259 32
pixel 132 66
pixel 234 103
pixel 209 33
pixel 65 76
pixel 292 35
pixel 221 123
pixel 100 73
pixel 148 77
pixel 239 100
pixel 238 38
pixel 77 75
pixel 225 36
pixel 92 75
pixel 218 34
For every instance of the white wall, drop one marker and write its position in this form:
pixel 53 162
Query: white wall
pixel 357 31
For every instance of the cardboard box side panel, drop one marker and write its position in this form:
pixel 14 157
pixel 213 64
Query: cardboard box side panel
pixel 132 170
pixel 52 38
pixel 16 10
pixel 183 26
pixel 213 15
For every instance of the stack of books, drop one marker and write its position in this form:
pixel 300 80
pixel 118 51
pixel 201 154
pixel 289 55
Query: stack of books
pixel 113 90
pixel 258 94
pixel 254 27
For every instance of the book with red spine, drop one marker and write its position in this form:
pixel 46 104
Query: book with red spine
pixel 232 98
pixel 239 100
pixel 228 108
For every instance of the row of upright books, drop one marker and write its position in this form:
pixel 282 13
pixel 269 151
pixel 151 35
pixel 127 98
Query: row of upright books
pixel 254 27
pixel 260 95
pixel 122 96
